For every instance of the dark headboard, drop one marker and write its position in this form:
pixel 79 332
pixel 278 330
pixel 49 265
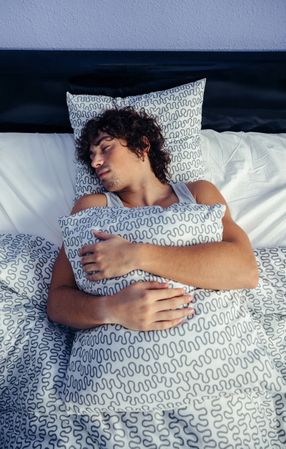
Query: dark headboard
pixel 244 91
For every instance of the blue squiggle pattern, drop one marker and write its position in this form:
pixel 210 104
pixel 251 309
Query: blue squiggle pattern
pixel 114 369
pixel 178 111
pixel 34 356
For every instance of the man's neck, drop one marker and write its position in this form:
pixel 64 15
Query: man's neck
pixel 149 193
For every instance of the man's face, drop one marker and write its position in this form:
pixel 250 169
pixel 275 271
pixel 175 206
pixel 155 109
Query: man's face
pixel 112 161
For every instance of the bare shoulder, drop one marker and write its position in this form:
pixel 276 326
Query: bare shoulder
pixel 89 201
pixel 205 192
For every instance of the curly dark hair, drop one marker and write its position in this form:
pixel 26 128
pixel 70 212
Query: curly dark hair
pixel 126 123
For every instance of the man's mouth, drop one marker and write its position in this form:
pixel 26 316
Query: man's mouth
pixel 102 173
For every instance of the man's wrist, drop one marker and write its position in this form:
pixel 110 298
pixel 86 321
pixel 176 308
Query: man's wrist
pixel 139 255
pixel 103 310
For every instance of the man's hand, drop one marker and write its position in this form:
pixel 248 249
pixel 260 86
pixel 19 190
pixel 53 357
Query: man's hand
pixel 149 306
pixel 112 256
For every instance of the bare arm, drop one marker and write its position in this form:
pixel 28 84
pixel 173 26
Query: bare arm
pixel 68 305
pixel 223 265
pixel 141 306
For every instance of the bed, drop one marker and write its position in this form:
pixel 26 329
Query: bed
pixel 242 139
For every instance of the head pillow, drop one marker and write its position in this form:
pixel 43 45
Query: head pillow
pixel 178 112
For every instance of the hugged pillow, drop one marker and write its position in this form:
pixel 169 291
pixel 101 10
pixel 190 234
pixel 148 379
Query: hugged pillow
pixel 112 368
pixel 181 224
pixel 177 110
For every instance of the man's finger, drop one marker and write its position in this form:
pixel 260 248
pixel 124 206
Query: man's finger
pixel 170 293
pixel 86 250
pixel 153 285
pixel 102 235
pixel 161 325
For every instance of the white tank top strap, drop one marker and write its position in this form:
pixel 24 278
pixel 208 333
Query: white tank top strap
pixel 113 200
pixel 180 189
pixel 182 192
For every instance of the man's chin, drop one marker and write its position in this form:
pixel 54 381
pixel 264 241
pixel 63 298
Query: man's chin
pixel 110 185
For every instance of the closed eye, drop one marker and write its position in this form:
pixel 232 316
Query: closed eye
pixel 103 151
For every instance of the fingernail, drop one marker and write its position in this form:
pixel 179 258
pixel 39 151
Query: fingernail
pixel 184 320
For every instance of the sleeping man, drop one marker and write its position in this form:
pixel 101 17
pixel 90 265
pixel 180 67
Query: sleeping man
pixel 125 150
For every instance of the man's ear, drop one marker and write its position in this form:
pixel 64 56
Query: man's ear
pixel 146 145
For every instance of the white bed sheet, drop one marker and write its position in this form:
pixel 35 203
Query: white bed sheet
pixel 37 178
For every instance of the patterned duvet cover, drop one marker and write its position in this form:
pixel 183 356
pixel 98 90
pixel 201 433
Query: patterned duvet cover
pixel 238 338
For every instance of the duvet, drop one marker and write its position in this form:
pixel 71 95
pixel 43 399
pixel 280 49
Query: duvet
pixel 241 333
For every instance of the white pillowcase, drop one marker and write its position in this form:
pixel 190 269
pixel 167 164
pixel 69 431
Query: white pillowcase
pixel 37 181
pixel 178 112
pixel 99 376
pixel 249 169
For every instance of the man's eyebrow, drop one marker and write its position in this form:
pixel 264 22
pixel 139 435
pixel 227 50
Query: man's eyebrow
pixel 97 142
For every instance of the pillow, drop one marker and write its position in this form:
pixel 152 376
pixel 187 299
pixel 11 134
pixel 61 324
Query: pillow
pixel 249 169
pixel 37 177
pixel 181 224
pixel 177 110
pixel 110 367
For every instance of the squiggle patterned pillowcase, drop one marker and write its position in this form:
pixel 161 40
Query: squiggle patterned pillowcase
pixel 178 111
pixel 110 366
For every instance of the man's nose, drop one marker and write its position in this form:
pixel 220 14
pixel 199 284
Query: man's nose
pixel 97 161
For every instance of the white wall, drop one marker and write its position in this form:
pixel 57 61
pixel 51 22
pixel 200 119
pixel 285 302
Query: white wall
pixel 143 24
